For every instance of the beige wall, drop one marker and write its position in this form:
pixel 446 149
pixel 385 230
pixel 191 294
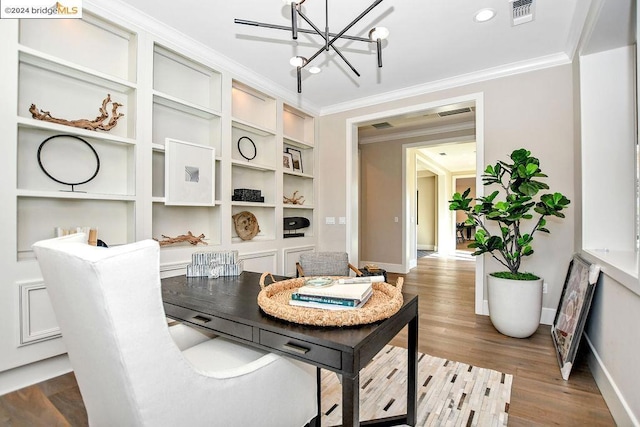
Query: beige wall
pixel 532 110
pixel 427 213
pixel 379 177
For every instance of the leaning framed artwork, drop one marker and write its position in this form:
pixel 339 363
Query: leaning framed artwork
pixel 189 174
pixel 571 316
pixel 297 159
pixel 287 162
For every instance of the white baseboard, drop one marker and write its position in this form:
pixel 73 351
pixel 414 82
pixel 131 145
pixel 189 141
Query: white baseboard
pixel 618 406
pixel 546 318
pixel 33 373
pixel 426 247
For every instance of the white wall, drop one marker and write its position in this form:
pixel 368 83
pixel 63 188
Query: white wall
pixel 607 125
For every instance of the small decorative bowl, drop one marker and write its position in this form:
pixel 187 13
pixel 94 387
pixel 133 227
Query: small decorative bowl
pixel 319 282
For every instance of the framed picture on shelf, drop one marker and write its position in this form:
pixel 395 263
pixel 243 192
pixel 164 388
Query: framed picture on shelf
pixel 189 174
pixel 571 316
pixel 287 162
pixel 297 159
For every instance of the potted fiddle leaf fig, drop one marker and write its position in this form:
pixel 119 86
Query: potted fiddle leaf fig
pixel 505 228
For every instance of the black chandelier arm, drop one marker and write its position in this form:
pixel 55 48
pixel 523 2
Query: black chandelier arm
pixel 326 44
pixel 352 23
pixel 300 30
pixel 345 60
pixel 294 21
pixel 308 21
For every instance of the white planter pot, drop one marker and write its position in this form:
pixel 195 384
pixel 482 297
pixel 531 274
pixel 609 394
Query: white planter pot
pixel 515 306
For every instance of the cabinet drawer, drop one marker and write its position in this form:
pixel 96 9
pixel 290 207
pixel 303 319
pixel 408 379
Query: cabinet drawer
pixel 310 351
pixel 223 326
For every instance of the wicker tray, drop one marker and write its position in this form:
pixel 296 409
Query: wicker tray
pixel 274 300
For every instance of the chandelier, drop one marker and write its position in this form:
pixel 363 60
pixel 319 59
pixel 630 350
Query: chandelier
pixel 376 35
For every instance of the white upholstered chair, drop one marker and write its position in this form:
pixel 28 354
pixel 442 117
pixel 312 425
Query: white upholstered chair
pixel 129 369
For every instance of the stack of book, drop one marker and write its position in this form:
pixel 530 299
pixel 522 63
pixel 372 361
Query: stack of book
pixel 342 294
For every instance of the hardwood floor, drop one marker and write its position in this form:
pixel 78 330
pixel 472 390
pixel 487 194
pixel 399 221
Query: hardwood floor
pixel 448 328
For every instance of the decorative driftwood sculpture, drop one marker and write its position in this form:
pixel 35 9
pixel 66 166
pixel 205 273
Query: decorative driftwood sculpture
pixel 293 200
pixel 95 124
pixel 246 225
pixel 189 238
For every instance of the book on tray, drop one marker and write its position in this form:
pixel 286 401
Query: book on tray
pixel 322 301
pixel 341 294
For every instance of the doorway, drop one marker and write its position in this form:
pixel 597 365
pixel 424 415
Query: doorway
pixel 408 245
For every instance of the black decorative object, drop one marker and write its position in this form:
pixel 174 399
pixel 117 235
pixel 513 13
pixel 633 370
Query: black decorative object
pixel 72 184
pixel 247 195
pixel 293 223
pixel 255 150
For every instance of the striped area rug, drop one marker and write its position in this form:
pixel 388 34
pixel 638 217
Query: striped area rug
pixel 449 393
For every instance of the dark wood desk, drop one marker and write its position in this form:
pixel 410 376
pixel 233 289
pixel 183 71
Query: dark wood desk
pixel 228 307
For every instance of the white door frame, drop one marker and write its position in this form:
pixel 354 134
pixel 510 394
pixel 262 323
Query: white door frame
pixel 353 178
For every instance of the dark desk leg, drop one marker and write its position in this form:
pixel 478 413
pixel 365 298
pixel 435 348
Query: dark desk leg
pixel 412 380
pixel 351 400
pixel 318 395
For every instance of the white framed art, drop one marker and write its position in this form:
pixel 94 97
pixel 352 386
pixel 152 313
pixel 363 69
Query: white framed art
pixel 189 173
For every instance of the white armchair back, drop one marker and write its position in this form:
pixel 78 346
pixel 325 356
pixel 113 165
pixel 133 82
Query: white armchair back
pixel 130 372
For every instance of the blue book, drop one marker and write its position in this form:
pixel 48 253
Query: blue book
pixel 326 300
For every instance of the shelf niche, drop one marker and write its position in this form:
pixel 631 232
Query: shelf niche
pixel 266 222
pixel 39 216
pixel 173 221
pixel 117 164
pixel 298 126
pixel 253 107
pixel 88 42
pixel 71 94
pixel 182 78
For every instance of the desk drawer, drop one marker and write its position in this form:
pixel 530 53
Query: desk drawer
pixel 223 326
pixel 310 351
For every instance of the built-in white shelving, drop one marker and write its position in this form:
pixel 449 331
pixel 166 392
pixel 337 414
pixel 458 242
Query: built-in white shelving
pixel 67 68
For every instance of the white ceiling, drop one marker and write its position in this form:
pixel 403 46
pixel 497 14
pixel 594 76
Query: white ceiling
pixel 430 41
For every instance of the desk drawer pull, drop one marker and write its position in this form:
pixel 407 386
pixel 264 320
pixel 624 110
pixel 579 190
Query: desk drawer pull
pixel 201 319
pixel 296 348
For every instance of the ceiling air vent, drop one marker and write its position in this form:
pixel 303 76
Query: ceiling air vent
pixel 382 125
pixel 456 111
pixel 521 11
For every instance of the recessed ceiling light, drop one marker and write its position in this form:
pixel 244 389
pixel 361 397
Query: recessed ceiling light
pixel 314 70
pixel 484 15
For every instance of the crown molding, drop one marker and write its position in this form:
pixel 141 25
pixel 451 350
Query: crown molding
pixel 123 14
pixel 465 79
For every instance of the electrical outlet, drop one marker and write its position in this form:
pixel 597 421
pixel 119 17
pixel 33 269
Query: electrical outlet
pixel 545 288
pixel 342 220
pixel 330 220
